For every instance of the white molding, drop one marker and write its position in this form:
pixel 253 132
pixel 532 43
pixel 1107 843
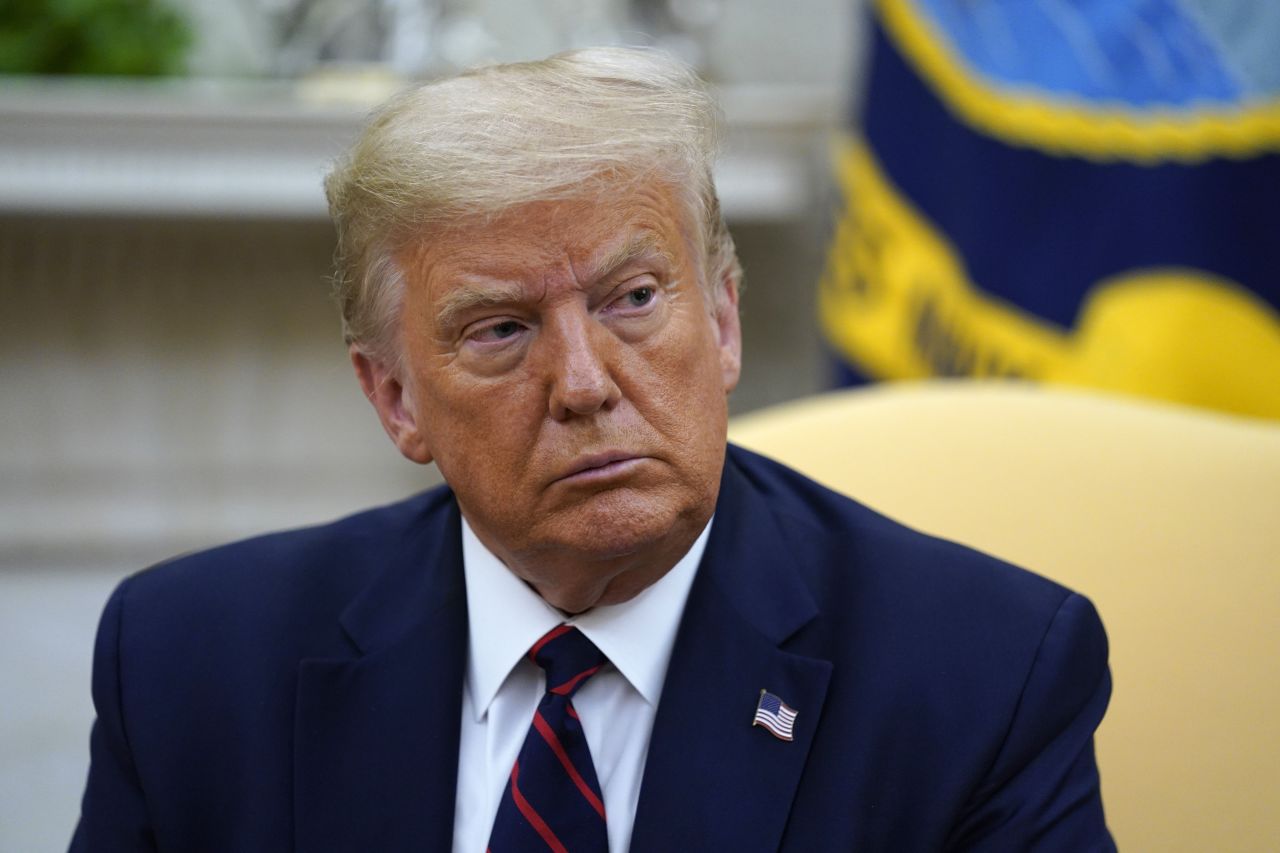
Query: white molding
pixel 207 148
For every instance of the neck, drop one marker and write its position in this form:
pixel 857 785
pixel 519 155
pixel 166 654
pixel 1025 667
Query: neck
pixel 575 582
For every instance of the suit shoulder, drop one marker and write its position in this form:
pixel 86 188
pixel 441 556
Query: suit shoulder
pixel 954 632
pixel 321 564
pixel 848 549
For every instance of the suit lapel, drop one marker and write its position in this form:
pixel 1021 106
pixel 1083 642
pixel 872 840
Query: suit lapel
pixel 376 737
pixel 712 781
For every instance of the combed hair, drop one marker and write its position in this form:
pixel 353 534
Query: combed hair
pixel 502 135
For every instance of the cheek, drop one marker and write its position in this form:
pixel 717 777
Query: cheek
pixel 479 427
pixel 697 359
pixel 685 389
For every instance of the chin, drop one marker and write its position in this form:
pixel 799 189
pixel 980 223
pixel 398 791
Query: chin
pixel 620 523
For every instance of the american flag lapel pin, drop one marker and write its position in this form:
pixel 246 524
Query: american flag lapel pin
pixel 775 716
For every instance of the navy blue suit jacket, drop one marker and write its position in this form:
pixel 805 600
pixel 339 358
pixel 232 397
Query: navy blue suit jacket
pixel 301 691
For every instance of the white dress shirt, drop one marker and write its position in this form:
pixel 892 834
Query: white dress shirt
pixel 503 687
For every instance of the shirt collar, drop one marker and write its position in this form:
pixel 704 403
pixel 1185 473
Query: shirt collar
pixel 506 617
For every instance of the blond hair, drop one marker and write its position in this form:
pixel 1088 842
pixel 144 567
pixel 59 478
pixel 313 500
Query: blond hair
pixel 502 135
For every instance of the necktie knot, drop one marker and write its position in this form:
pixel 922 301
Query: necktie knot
pixel 568 658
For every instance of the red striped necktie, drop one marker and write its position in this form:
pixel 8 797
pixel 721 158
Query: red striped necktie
pixel 552 800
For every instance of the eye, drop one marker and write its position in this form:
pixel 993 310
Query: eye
pixel 497 332
pixel 639 297
pixel 505 329
pixel 637 302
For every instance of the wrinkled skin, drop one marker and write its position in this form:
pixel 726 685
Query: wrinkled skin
pixel 566 367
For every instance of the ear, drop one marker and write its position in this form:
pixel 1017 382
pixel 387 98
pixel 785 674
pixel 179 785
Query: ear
pixel 728 329
pixel 394 404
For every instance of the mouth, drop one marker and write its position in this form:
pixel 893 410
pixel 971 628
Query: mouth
pixel 599 467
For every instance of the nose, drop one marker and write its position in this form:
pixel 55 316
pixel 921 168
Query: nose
pixel 580 353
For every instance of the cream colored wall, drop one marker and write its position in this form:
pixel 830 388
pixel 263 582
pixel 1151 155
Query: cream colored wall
pixel 173 383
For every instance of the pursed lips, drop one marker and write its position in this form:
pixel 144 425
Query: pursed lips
pixel 600 466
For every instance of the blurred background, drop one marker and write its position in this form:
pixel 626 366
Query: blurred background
pixel 1062 192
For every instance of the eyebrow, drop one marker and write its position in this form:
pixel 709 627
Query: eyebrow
pixel 466 297
pixel 462 299
pixel 642 245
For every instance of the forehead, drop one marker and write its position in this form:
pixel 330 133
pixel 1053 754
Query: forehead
pixel 583 236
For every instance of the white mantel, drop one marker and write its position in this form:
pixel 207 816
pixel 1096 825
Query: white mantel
pixel 260 148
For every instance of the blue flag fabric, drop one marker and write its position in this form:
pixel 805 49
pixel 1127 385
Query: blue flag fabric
pixel 1084 193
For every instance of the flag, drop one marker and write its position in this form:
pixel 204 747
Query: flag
pixel 1080 193
pixel 775 715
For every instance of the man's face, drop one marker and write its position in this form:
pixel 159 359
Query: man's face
pixel 568 370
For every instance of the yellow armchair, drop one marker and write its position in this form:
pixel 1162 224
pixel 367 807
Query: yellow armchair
pixel 1167 518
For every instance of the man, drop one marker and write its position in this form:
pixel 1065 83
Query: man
pixel 608 631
